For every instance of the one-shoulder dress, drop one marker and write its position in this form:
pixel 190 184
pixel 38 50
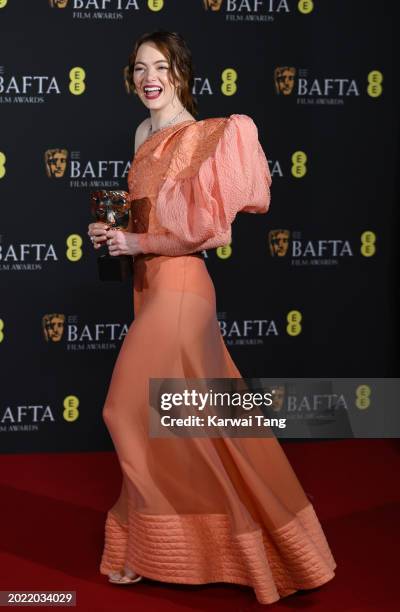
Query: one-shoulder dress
pixel 197 510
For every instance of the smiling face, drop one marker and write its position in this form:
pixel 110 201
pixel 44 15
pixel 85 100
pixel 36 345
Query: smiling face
pixel 151 77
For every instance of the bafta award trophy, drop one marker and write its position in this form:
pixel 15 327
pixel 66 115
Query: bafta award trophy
pixel 112 208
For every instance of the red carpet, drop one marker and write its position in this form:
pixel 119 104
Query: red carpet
pixel 53 510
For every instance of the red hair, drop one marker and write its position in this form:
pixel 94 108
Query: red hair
pixel 173 46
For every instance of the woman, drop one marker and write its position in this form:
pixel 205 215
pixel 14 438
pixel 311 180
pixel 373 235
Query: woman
pixel 193 510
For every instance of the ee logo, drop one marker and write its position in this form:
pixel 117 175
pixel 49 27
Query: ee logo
pixel 74 250
pixel 223 252
pixel 293 319
pixel 299 168
pixel 77 84
pixel 368 248
pixel 229 78
pixel 2 163
pixel 375 78
pixel 305 6
pixel 363 397
pixel 155 5
pixel 71 412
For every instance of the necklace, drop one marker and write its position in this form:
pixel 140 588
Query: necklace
pixel 151 131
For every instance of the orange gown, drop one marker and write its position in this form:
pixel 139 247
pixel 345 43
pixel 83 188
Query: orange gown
pixel 198 510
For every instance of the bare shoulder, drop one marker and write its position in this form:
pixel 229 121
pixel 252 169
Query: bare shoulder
pixel 142 132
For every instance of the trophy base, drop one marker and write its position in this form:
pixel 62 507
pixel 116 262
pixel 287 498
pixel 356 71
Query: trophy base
pixel 115 269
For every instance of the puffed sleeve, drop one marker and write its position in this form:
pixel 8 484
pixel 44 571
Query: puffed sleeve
pixel 196 212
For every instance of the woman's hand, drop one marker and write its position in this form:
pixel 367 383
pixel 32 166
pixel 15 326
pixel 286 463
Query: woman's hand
pixel 98 234
pixel 122 243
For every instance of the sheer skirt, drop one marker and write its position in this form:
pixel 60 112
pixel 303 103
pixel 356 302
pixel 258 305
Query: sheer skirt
pixel 199 510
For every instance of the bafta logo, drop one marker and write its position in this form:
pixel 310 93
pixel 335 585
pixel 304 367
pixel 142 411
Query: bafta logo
pixel 53 327
pixel 58 3
pixel 278 242
pixel 284 80
pixel 278 398
pixel 213 5
pixel 56 162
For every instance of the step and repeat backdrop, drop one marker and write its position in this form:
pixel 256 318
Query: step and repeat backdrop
pixel 308 290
